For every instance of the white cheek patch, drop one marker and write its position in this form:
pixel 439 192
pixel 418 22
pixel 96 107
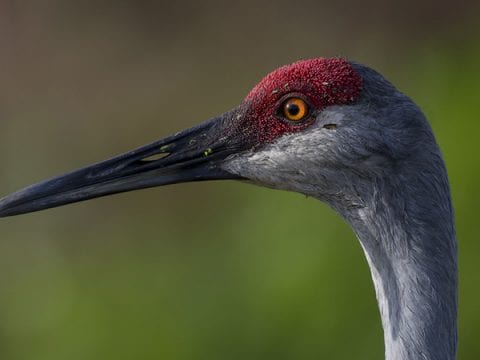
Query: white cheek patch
pixel 294 153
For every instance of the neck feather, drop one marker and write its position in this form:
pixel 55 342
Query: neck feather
pixel 408 235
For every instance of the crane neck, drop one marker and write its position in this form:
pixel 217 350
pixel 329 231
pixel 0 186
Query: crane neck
pixel 408 236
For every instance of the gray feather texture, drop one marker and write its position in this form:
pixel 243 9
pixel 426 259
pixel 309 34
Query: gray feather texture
pixel 382 171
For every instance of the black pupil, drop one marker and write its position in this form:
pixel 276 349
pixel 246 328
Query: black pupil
pixel 293 109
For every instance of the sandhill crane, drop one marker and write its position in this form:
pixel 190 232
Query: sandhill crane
pixel 337 131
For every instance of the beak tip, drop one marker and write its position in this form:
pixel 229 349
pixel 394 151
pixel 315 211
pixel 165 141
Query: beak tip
pixel 5 211
pixel 16 204
pixel 6 207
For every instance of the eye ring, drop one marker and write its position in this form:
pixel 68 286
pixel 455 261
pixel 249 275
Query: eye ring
pixel 294 109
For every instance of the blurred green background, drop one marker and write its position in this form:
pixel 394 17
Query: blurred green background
pixel 207 270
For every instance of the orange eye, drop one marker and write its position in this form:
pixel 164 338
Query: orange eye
pixel 295 109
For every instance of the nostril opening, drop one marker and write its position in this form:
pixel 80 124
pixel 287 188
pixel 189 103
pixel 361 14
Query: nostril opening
pixel 155 157
pixel 330 126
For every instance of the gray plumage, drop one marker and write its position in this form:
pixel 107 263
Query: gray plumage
pixel 382 171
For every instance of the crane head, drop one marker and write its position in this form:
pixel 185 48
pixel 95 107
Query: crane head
pixel 316 126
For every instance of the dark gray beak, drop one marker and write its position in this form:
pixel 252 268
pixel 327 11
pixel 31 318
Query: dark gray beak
pixel 191 155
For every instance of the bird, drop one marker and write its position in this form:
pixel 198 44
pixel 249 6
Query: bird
pixel 337 131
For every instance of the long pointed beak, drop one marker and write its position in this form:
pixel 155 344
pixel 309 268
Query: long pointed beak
pixel 191 155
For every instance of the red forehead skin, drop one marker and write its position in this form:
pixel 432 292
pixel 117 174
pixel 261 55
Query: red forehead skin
pixel 322 81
